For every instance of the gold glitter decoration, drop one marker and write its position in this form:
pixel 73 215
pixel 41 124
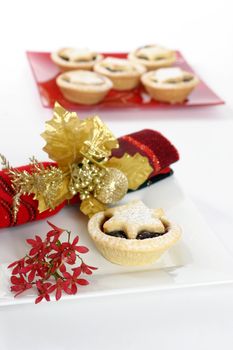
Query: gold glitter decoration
pixel 82 150
pixel 45 183
pixel 113 188
pixel 85 178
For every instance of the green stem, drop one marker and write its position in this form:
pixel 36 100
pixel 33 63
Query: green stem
pixel 69 233
pixel 57 275
pixel 79 257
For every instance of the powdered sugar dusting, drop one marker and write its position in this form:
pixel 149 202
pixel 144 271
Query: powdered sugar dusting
pixel 133 218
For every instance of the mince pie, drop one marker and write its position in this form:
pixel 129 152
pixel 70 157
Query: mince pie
pixel 171 85
pixel 83 87
pixel 132 234
pixel 72 59
pixel 125 75
pixel 153 56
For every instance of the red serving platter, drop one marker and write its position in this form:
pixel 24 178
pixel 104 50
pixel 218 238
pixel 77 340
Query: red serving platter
pixel 45 73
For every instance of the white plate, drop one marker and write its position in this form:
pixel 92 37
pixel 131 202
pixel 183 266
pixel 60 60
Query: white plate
pixel 197 259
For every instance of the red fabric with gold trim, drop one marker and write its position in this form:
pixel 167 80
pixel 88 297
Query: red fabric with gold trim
pixel 28 210
pixel 151 144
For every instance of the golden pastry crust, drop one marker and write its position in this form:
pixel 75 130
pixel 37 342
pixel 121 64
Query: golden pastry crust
pixel 125 75
pixel 175 90
pixel 75 89
pixel 132 252
pixel 67 65
pixel 162 57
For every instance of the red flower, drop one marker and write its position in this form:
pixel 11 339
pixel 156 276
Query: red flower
pixel 58 251
pixel 56 228
pixel 62 253
pixel 68 255
pixel 34 269
pixel 87 268
pixel 79 249
pixel 55 232
pixel 75 247
pixel 46 263
pixel 38 246
pixel 59 287
pixel 19 284
pixel 70 249
pixel 67 251
pixel 43 291
pixel 73 279
pixel 18 265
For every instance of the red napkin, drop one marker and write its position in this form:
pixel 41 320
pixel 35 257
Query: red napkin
pixel 151 144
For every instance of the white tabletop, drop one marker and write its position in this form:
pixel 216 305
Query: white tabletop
pixel 198 318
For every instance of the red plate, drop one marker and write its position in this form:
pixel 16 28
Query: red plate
pixel 45 73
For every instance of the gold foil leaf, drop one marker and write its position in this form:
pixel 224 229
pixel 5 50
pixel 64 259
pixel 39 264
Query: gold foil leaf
pixel 91 206
pixel 68 139
pixel 98 140
pixel 60 195
pixel 62 143
pixel 137 168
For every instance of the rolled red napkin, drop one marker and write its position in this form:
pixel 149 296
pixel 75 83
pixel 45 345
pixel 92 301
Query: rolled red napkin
pixel 149 143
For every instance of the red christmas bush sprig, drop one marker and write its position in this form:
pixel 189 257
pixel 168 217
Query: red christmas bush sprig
pixel 45 266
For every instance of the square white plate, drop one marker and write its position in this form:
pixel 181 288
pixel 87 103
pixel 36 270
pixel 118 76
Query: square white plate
pixel 197 259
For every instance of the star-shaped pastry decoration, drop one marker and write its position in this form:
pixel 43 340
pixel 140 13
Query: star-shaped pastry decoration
pixel 133 218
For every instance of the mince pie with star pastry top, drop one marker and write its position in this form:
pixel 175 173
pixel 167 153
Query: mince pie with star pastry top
pixel 125 75
pixel 171 85
pixel 153 56
pixel 132 234
pixel 71 59
pixel 83 87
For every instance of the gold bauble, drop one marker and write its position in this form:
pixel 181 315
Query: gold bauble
pixel 114 186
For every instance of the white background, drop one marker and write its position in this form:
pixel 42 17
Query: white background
pixel 200 318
